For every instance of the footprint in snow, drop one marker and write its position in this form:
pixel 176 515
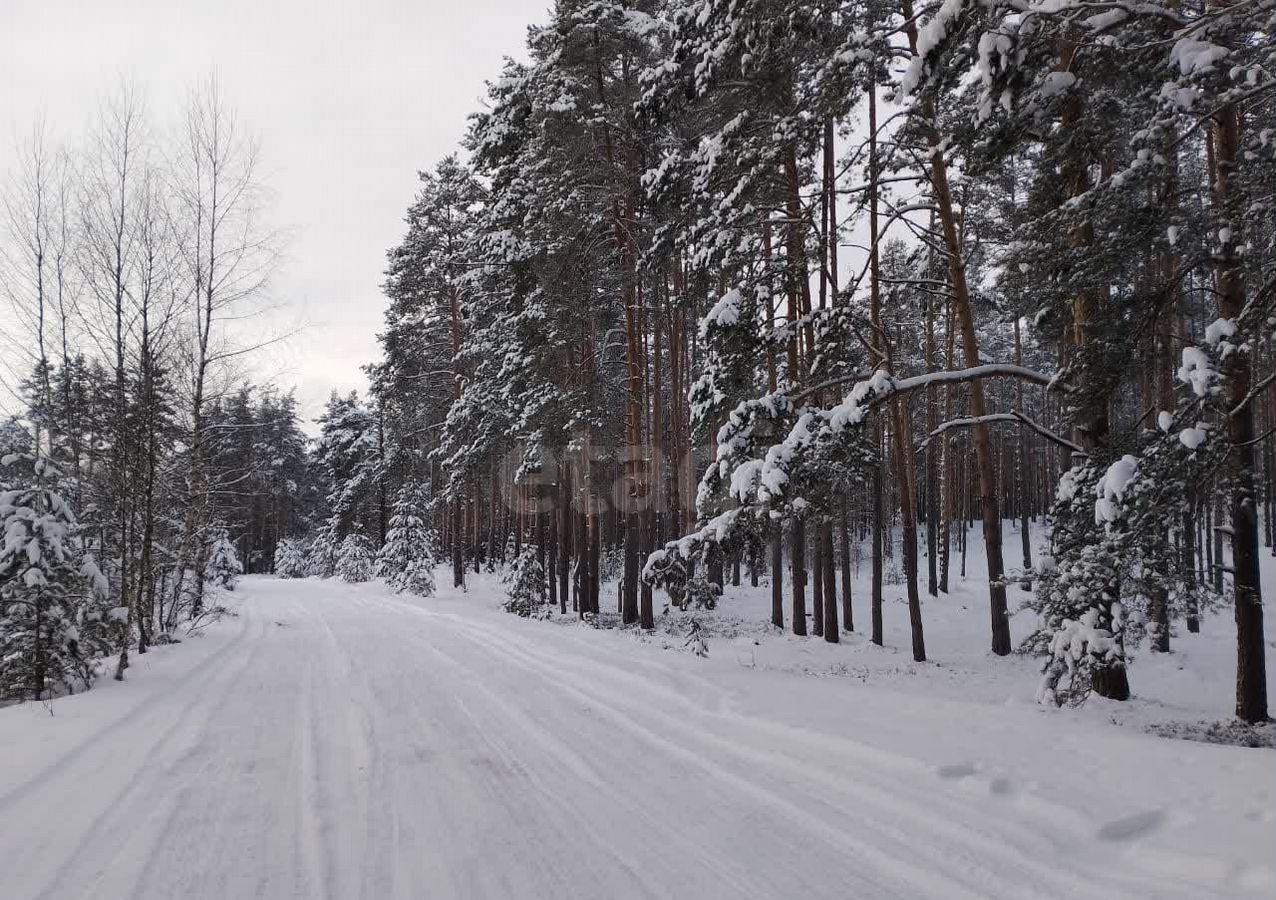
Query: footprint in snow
pixel 1000 786
pixel 1131 827
pixel 956 771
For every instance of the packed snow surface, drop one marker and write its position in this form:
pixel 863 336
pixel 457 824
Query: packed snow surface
pixel 335 741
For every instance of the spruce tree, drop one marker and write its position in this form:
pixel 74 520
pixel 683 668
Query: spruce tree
pixel 355 559
pixel 525 595
pixel 224 566
pixel 53 615
pixel 290 559
pixel 321 558
pixel 407 559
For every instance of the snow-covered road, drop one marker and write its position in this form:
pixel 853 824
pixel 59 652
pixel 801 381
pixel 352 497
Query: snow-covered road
pixel 335 742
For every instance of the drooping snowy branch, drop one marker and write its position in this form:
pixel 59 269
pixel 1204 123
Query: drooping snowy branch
pixel 1014 417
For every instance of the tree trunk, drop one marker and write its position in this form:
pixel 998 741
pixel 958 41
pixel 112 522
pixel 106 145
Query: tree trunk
pixel 777 575
pixel 827 572
pixel 564 513
pixel 1021 475
pixel 817 583
pixel 458 542
pixel 880 351
pixel 965 317
pixel 1251 674
pixel 797 552
pixel 903 462
pixel 932 474
pixel 848 615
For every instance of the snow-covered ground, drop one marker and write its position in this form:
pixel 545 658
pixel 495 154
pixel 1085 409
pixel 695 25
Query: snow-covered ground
pixel 1195 683
pixel 334 741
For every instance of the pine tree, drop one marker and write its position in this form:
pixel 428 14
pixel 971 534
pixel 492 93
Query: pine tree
pixel 349 453
pixel 355 558
pixel 321 558
pixel 290 559
pixel 53 618
pixel 224 567
pixel 701 593
pixel 695 641
pixel 407 559
pixel 525 595
pixel 417 578
pixel 1109 115
pixel 625 323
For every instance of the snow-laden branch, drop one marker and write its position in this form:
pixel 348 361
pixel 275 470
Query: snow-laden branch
pixel 1253 393
pixel 666 565
pixel 886 386
pixel 975 373
pixel 1016 417
pixel 762 482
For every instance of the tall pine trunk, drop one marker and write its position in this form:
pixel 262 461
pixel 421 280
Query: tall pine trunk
pixel 965 316
pixel 1241 497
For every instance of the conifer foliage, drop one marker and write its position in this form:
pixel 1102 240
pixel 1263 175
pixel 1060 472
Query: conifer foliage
pixel 356 559
pixel 322 556
pixel 290 559
pixel 746 284
pixel 130 256
pixel 406 561
pixel 763 285
pixel 525 595
pixel 224 567
pixel 53 616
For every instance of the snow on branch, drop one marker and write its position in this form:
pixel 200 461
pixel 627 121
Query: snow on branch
pixel 974 373
pixel 1253 393
pixel 907 385
pixel 668 565
pixel 765 479
pixel 760 482
pixel 1016 417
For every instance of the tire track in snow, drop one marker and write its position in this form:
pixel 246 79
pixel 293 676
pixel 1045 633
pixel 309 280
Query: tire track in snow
pixel 371 748
pixel 129 718
pixel 490 775
pixel 127 800
pixel 900 869
pixel 547 809
pixel 1037 873
pixel 894 861
pixel 308 855
pixel 160 857
pixel 580 769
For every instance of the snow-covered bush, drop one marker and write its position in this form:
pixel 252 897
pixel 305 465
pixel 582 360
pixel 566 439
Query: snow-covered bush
pixel 1078 595
pixel 687 590
pixel 417 578
pixel 321 560
pixel 701 593
pixel 526 592
pixel 290 559
pixel 1114 576
pixel 407 559
pixel 355 558
pixel 53 615
pixel 223 568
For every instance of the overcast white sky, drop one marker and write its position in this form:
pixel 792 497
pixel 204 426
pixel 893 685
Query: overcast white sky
pixel 349 100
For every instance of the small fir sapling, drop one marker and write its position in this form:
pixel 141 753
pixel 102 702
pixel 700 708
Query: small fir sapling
pixel 526 593
pixel 355 559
